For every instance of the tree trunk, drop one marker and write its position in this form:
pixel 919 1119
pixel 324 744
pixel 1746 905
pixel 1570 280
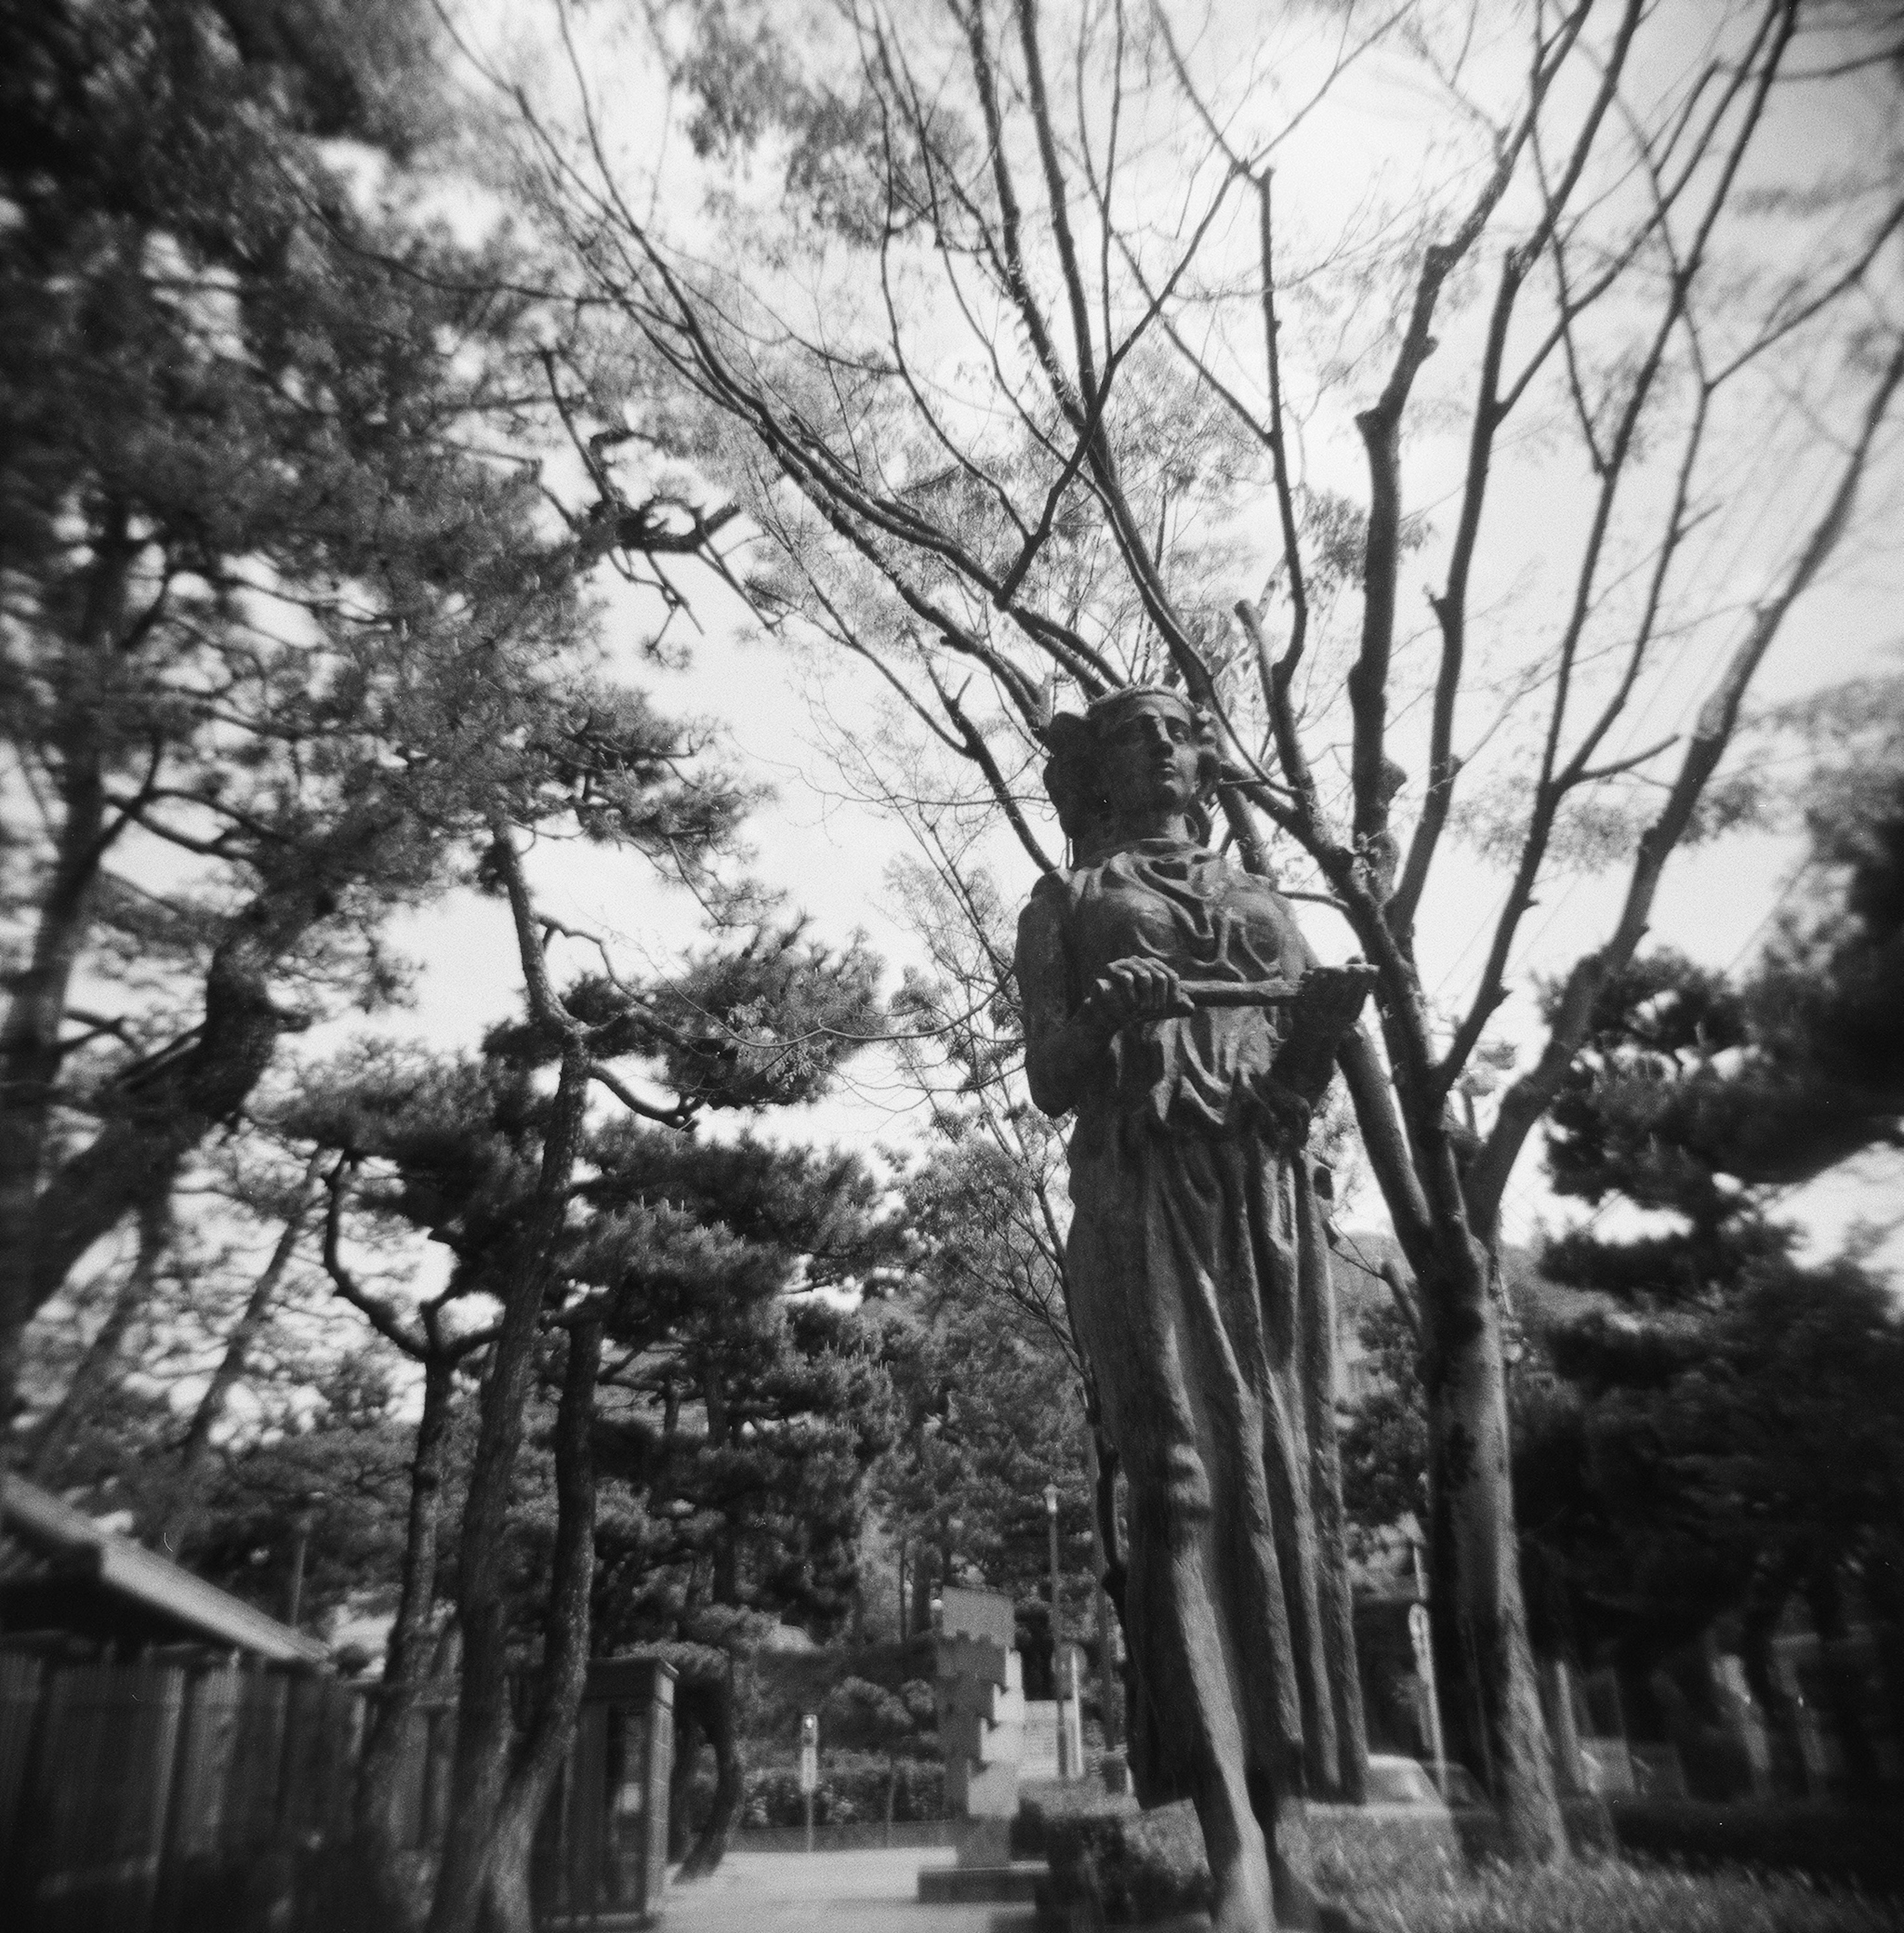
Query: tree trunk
pixel 163 1108
pixel 93 1379
pixel 181 1509
pixel 1764 1606
pixel 1884 1592
pixel 406 1661
pixel 1490 1695
pixel 483 1716
pixel 30 1051
pixel 1481 1632
pixel 565 1644
pixel 1335 1601
pixel 717 1721
pixel 1844 1690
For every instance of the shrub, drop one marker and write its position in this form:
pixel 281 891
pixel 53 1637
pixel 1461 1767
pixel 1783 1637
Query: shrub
pixel 857 1713
pixel 852 1791
pixel 1043 1800
pixel 1133 1866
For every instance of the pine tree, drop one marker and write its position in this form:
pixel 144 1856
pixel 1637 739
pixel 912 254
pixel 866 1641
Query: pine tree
pixel 287 616
pixel 239 540
pixel 742 1409
pixel 750 1404
pixel 461 1149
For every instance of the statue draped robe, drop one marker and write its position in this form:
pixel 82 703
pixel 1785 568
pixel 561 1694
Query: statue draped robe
pixel 1195 1233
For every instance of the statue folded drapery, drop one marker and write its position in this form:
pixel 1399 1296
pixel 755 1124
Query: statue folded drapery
pixel 1192 1212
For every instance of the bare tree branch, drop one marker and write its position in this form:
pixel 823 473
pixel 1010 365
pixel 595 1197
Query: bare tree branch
pixel 1529 1097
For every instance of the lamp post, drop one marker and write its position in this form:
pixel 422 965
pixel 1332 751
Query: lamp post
pixel 810 1768
pixel 1051 1518
pixel 1064 1770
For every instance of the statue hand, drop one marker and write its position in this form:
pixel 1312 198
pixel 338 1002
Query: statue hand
pixel 1133 990
pixel 1288 1113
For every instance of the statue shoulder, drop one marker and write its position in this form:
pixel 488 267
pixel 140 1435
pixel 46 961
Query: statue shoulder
pixel 1054 897
pixel 1044 924
pixel 1058 890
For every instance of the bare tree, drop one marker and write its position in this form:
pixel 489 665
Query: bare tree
pixel 987 402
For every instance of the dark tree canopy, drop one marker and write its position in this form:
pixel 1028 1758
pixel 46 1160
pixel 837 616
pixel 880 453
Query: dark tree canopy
pixel 1724 1431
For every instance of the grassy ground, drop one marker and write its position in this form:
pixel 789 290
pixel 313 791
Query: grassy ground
pixel 1147 1867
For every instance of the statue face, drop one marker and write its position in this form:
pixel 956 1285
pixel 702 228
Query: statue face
pixel 1151 760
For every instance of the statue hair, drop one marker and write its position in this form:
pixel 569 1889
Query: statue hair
pixel 1074 775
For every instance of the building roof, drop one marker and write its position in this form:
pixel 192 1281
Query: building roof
pixel 60 1558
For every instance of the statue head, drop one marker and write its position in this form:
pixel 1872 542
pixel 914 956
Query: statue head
pixel 1141 762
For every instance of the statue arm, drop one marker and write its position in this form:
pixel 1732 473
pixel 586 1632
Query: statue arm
pixel 1063 1049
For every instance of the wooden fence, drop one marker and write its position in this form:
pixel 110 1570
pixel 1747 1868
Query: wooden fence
pixel 164 1797
pixel 174 1795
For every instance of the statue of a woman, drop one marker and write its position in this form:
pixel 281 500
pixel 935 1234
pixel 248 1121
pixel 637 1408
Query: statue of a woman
pixel 1191 1216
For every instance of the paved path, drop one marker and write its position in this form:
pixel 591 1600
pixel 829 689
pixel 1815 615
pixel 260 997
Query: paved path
pixel 827 1892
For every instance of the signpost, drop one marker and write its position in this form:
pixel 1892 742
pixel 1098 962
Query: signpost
pixel 810 1768
pixel 1068 1742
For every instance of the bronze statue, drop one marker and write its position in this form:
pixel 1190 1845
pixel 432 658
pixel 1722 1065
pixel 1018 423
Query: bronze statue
pixel 1171 1002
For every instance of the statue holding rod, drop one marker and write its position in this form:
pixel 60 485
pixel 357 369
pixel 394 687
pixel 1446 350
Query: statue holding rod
pixel 1172 1004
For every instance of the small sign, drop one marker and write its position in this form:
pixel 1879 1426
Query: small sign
pixel 1039 1756
pixel 809 1753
